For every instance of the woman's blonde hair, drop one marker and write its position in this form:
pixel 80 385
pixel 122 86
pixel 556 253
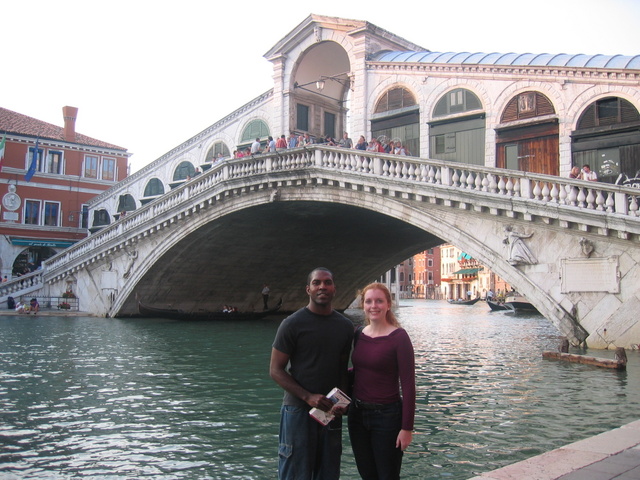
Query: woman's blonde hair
pixel 391 318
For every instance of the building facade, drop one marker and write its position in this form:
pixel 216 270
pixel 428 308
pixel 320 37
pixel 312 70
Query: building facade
pixel 426 274
pixel 540 113
pixel 48 176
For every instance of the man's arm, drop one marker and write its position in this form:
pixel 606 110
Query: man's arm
pixel 277 371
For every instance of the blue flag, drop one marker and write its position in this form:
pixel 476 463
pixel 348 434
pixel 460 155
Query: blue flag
pixel 34 163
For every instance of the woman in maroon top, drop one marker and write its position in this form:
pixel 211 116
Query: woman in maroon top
pixel 380 419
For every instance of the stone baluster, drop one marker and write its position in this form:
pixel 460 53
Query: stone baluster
pixel 471 180
pixel 633 206
pixel 455 178
pixel 554 193
pixel 509 187
pixel 502 186
pixel 591 199
pixel 463 179
pixel 600 201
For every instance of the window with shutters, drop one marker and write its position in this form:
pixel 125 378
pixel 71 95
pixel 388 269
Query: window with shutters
pixel 395 99
pixel 608 111
pixel 527 105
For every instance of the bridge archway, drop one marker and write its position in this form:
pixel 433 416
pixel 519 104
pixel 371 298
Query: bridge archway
pixel 321 90
pixel 283 236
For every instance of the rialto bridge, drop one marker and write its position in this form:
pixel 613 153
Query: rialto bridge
pixel 572 247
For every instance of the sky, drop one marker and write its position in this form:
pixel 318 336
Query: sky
pixel 148 75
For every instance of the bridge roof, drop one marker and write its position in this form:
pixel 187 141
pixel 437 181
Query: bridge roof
pixel 620 62
pixel 16 123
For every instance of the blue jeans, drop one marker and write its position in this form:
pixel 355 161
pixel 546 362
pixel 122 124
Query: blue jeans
pixel 373 430
pixel 308 450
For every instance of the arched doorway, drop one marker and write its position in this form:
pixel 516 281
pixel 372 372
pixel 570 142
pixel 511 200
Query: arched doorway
pixel 320 92
pixel 30 259
pixel 527 139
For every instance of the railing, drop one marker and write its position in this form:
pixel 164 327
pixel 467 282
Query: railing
pixel 22 285
pixel 61 304
pixel 543 189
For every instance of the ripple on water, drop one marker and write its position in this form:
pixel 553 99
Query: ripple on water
pixel 110 398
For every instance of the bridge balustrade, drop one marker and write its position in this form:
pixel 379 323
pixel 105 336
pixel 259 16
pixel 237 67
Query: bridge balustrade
pixel 22 285
pixel 544 189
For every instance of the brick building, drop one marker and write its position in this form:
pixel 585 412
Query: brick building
pixel 46 211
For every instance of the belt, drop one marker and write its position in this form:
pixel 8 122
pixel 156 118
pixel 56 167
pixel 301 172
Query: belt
pixel 368 406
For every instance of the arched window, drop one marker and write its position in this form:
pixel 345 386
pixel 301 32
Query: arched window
pixel 254 129
pixel 126 203
pixel 457 137
pixel 217 148
pixel 608 111
pixel 184 170
pixel 457 101
pixel 395 99
pixel 154 188
pixel 397 117
pixel 607 139
pixel 527 105
pixel 101 218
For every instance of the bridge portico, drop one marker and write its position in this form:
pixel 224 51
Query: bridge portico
pixel 273 218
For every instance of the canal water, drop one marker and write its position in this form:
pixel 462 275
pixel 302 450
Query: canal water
pixel 103 398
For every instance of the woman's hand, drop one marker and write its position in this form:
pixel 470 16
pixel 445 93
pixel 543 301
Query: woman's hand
pixel 404 439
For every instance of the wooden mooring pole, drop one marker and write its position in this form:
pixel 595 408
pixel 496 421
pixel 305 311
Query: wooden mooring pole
pixel 620 362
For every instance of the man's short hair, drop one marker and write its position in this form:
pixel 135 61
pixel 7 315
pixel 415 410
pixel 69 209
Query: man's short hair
pixel 318 269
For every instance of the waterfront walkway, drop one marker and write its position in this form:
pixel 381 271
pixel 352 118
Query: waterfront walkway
pixel 610 455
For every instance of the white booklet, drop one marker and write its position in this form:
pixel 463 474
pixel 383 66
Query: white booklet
pixel 339 398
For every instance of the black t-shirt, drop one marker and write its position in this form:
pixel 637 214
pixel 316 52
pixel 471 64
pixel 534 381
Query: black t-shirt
pixel 318 347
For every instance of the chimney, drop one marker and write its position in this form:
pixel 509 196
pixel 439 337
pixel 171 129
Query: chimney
pixel 70 114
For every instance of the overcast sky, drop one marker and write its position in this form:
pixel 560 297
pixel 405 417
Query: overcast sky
pixel 149 74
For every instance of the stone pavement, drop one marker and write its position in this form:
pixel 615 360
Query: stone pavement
pixel 610 455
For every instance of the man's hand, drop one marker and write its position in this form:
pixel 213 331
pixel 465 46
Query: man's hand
pixel 319 401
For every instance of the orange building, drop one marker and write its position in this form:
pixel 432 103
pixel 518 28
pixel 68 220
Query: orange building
pixel 47 176
pixel 426 274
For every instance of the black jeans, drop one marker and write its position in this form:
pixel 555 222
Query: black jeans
pixel 373 430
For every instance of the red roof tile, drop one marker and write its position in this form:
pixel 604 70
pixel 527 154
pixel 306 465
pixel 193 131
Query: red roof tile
pixel 16 123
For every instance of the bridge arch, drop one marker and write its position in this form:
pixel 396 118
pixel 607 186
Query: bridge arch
pixel 422 228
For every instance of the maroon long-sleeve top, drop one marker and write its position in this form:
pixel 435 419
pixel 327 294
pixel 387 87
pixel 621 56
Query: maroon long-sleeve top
pixel 382 365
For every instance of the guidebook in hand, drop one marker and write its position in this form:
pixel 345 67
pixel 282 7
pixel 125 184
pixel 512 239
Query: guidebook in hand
pixel 339 399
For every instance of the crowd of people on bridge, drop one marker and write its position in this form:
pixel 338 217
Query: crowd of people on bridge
pixel 380 145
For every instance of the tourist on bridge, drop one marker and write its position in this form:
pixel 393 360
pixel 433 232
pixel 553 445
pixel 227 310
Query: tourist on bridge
pixel 574 173
pixel 255 147
pixel 345 141
pixel 380 418
pixel 314 343
pixel 281 144
pixel 293 140
pixel 588 174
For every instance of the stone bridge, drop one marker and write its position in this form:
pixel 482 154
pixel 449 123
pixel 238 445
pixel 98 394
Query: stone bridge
pixel 571 247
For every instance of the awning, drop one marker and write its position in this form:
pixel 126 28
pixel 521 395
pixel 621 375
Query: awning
pixel 466 271
pixel 34 242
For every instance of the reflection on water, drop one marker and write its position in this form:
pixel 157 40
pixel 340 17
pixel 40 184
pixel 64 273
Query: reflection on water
pixel 116 398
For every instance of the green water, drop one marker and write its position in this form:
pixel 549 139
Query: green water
pixel 135 398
